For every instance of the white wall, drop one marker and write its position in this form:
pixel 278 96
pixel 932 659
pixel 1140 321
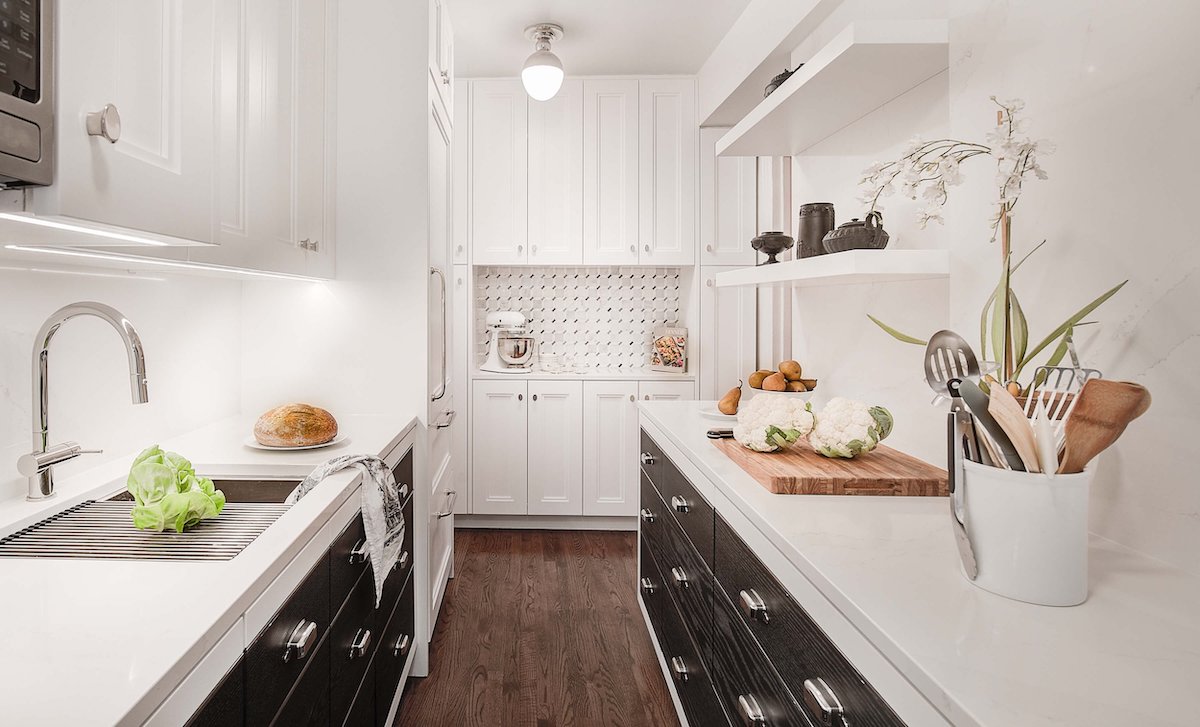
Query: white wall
pixel 1117 86
pixel 188 325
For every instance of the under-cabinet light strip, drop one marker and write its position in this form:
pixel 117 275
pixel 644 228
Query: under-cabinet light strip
pixel 91 231
pixel 137 260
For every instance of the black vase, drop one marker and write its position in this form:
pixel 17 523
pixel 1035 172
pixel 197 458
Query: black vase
pixel 816 220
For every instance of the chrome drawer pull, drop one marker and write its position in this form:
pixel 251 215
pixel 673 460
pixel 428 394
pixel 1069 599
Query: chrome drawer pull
pixel 401 562
pixel 402 492
pixel 823 703
pixel 647 458
pixel 400 648
pixel 681 579
pixel 362 642
pixel 359 553
pixel 648 587
pixel 754 607
pixel 680 504
pixel 679 669
pixel 752 714
pixel 647 515
pixel 301 641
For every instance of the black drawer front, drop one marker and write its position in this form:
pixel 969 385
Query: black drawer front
pixel 355 623
pixel 403 474
pixel 651 585
pixel 690 584
pixel 744 673
pixel 268 677
pixel 362 711
pixel 394 648
pixel 651 458
pixel 308 704
pixel 652 518
pixel 695 688
pixel 348 560
pixel 395 581
pixel 798 648
pixel 225 707
pixel 690 510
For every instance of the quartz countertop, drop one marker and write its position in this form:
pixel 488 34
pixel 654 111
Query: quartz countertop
pixel 1129 655
pixel 103 642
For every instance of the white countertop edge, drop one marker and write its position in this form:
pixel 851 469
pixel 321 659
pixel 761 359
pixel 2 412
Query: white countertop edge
pixel 595 374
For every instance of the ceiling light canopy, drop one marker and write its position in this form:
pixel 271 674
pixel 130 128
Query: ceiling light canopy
pixel 542 75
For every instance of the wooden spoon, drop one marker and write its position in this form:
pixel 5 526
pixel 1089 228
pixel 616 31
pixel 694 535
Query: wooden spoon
pixel 1011 417
pixel 1101 414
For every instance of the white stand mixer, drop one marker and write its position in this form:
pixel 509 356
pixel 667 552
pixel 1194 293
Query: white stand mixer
pixel 510 348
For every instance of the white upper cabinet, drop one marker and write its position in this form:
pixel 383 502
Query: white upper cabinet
pixel 555 448
pixel 728 318
pixel 610 448
pixel 556 177
pixel 727 204
pixel 667 179
pixel 152 61
pixel 499 179
pixel 610 172
pixel 499 440
pixel 461 199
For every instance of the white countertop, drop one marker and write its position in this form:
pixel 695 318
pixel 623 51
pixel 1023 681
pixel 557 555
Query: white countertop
pixel 1129 655
pixel 103 642
pixel 588 374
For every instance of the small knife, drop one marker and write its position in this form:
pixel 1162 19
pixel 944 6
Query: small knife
pixel 720 433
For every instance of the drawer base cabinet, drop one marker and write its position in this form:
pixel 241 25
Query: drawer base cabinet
pixel 739 649
pixel 328 657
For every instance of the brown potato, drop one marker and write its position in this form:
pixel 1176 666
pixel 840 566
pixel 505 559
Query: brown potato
pixel 790 369
pixel 774 382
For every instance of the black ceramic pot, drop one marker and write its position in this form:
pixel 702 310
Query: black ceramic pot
pixel 777 81
pixel 858 234
pixel 816 220
pixel 771 244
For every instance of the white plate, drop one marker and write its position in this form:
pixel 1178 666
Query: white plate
pixel 252 443
pixel 712 413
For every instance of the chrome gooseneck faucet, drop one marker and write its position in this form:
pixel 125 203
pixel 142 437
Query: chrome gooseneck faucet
pixel 38 465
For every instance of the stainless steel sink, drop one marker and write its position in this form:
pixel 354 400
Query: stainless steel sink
pixel 103 529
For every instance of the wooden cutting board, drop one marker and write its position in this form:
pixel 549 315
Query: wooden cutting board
pixel 801 471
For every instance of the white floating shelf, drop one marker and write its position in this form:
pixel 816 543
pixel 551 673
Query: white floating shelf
pixel 845 268
pixel 864 67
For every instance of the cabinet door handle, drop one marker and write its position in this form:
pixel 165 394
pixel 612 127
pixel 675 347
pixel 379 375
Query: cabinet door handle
pixel 451 498
pixel 632 397
pixel 681 579
pixel 647 458
pixel 633 249
pixel 401 562
pixel 105 123
pixel 520 249
pixel 823 703
pixel 400 648
pixel 680 504
pixel 301 641
pixel 362 642
pixel 648 587
pixel 679 669
pixel 447 419
pixel 520 397
pixel 402 492
pixel 445 78
pixel 533 249
pixel 646 397
pixel 647 515
pixel 752 714
pixel 359 553
pixel 534 397
pixel 708 283
pixel 646 248
pixel 708 248
pixel 754 606
pixel 460 248
pixel 445 375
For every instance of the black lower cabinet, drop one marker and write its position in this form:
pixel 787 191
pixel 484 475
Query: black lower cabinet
pixel 354 637
pixel 362 711
pixel 308 703
pixel 225 707
pixel 393 652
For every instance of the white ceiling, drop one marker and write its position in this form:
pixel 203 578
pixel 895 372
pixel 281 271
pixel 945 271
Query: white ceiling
pixel 603 37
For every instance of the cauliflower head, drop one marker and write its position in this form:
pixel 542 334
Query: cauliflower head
pixel 848 428
pixel 771 422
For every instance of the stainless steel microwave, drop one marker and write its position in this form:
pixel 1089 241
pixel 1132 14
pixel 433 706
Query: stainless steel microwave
pixel 26 92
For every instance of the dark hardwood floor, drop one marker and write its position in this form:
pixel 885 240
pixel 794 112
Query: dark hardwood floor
pixel 541 628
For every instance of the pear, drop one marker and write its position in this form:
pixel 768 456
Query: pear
pixel 729 403
pixel 756 378
pixel 775 382
pixel 809 384
pixel 797 386
pixel 790 370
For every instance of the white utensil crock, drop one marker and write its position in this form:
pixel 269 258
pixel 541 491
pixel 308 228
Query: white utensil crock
pixel 1029 533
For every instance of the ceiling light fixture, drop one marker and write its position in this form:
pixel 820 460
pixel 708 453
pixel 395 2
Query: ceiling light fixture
pixel 542 75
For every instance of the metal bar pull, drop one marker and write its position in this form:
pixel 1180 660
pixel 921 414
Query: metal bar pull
pixel 647 515
pixel 823 703
pixel 754 606
pixel 446 420
pixel 440 391
pixel 680 504
pixel 647 458
pixel 648 587
pixel 400 648
pixel 359 553
pixel 362 642
pixel 752 714
pixel 681 579
pixel 679 669
pixel 451 498
pixel 301 641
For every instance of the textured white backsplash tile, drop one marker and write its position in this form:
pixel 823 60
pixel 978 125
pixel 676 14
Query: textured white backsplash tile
pixel 604 317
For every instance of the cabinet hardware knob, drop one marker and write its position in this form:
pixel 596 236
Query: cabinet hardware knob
pixel 445 78
pixel 520 249
pixel 708 248
pixel 648 587
pixel 533 249
pixel 460 248
pixel 752 714
pixel 105 123
pixel 646 248
pixel 680 504
pixel 520 397
pixel 534 397
pixel 632 397
pixel 362 642
pixel 822 702
pixel 679 669
pixel 647 515
pixel 301 641
pixel 709 282
pixel 754 606
pixel 681 579
pixel 359 553
pixel 646 397
pixel 400 648
pixel 647 458
pixel 633 249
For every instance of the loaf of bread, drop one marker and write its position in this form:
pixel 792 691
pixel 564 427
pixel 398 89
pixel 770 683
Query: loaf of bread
pixel 295 425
